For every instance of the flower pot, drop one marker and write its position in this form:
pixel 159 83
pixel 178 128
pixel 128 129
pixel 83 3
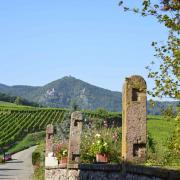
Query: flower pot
pixel 63 160
pixel 101 158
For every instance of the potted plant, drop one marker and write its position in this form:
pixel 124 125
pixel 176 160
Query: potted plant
pixel 100 149
pixel 61 153
pixel 64 154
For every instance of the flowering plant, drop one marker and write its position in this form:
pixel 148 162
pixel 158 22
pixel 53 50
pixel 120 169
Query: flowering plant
pixel 61 150
pixel 99 146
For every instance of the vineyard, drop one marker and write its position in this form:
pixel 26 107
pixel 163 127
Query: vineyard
pixel 16 123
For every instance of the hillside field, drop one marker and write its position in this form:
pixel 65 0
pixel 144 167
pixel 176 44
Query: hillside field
pixel 18 121
pixel 21 127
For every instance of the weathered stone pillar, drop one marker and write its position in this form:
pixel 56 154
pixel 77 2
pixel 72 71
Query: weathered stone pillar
pixel 49 138
pixel 75 139
pixel 134 119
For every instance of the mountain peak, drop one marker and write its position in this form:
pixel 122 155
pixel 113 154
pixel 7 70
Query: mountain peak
pixel 68 77
pixel 61 92
pixel 64 91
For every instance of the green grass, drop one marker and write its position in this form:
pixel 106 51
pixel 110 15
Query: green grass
pixel 39 170
pixel 29 141
pixel 5 105
pixel 161 131
pixel 1 160
pixel 2 103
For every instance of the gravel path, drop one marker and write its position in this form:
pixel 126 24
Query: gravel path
pixel 20 168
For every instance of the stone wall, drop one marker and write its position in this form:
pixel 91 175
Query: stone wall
pixel 57 173
pixel 133 145
pixel 111 172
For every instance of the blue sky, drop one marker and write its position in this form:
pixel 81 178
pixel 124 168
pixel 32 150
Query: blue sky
pixel 95 41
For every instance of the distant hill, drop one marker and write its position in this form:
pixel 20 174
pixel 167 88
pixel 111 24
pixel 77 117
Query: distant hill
pixel 6 100
pixel 63 92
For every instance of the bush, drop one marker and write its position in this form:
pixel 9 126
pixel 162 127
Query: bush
pixel 99 145
pixel 61 150
pixel 39 173
pixel 36 158
pixel 150 143
pixel 178 118
pixel 1 160
pixel 169 113
pixel 174 143
pixel 112 137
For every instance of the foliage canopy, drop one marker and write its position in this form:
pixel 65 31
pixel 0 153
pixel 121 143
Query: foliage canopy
pixel 167 77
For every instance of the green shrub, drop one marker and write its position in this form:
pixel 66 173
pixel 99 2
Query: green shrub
pixel 99 145
pixel 150 143
pixel 174 142
pixel 111 136
pixel 1 160
pixel 61 150
pixel 36 158
pixel 39 173
pixel 169 113
pixel 178 117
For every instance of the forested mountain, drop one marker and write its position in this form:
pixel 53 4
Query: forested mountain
pixel 63 92
pixel 17 100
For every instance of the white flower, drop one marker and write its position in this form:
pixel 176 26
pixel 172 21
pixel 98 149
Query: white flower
pixel 97 135
pixel 98 142
pixel 64 152
pixel 105 144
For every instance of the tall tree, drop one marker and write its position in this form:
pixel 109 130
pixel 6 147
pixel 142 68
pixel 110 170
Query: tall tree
pixel 167 78
pixel 18 101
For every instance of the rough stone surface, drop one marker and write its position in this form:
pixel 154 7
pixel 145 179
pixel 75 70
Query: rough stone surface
pixel 61 174
pixel 49 139
pixel 55 174
pixel 111 172
pixel 134 119
pixel 75 137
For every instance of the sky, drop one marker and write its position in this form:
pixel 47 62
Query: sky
pixel 95 41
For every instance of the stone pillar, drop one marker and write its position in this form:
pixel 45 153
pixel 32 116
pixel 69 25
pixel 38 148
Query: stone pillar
pixel 75 139
pixel 134 120
pixel 49 138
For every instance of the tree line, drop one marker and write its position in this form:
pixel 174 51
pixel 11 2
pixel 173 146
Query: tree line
pixel 17 100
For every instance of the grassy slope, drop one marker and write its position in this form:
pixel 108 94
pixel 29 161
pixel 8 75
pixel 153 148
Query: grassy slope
pixel 5 105
pixel 28 141
pixel 160 130
pixel 2 103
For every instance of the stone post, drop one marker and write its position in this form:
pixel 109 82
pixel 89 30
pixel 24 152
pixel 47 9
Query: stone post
pixel 134 119
pixel 75 139
pixel 49 138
